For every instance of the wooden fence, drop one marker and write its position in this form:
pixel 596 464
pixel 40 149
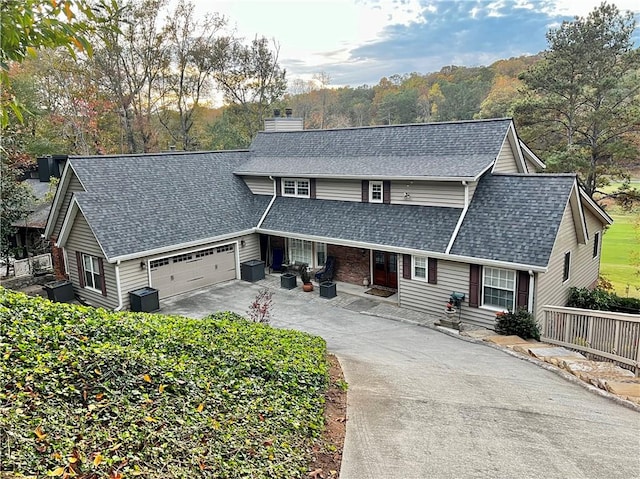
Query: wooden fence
pixel 604 334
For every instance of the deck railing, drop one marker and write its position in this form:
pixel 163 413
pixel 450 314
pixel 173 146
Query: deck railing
pixel 608 335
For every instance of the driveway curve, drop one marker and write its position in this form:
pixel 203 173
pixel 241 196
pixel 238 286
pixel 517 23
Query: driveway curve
pixel 422 404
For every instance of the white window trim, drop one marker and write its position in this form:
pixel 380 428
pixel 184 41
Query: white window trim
pixel 493 307
pixel 84 272
pixel 296 194
pixel 564 281
pixel 371 199
pixel 426 269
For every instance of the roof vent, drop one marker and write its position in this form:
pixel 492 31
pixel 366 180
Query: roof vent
pixel 276 113
pixel 288 112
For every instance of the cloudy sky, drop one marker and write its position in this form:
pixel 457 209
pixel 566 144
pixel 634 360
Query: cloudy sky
pixel 358 42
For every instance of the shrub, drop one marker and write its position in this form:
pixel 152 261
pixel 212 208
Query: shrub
pixel 260 309
pixel 602 300
pixel 521 323
pixel 89 393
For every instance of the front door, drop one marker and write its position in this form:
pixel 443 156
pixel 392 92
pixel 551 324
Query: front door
pixel 385 269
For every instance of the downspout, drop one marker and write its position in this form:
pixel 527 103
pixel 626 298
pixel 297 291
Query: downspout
pixel 266 212
pixel 118 289
pixel 461 219
pixel 531 286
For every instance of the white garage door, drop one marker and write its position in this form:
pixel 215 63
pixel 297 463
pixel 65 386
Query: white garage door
pixel 189 271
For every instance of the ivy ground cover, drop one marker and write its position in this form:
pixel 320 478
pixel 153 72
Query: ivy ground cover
pixel 92 394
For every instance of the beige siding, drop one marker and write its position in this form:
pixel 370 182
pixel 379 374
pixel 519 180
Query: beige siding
pixel 251 248
pixel 506 161
pixel 432 298
pixel 259 185
pixel 74 187
pixel 132 277
pixel 531 166
pixel 340 190
pixel 584 268
pixel 428 193
pixel 82 239
pixel 472 190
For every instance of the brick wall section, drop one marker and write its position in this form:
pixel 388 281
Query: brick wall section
pixel 352 265
pixel 58 261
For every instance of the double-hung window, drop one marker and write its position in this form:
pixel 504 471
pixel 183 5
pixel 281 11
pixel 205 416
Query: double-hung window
pixel 498 288
pixel 419 268
pixel 295 187
pixel 375 191
pixel 92 277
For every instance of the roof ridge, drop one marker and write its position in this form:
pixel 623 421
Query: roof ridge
pixel 157 153
pixel 403 125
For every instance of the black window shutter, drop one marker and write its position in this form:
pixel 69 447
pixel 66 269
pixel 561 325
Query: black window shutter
pixel 365 191
pixel 80 269
pixel 474 285
pixel 406 266
pixel 278 186
pixel 312 188
pixel 386 192
pixel 433 271
pixel 522 299
pixel 103 282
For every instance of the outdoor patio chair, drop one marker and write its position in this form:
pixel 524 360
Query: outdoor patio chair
pixel 276 260
pixel 327 273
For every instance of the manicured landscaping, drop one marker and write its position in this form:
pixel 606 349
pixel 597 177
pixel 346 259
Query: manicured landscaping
pixel 89 393
pixel 619 244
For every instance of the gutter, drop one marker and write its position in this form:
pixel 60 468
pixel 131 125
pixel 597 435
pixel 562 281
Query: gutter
pixel 273 199
pixel 401 250
pixel 118 288
pixel 531 286
pixel 454 235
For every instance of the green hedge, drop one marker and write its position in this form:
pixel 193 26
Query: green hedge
pixel 99 394
pixel 600 299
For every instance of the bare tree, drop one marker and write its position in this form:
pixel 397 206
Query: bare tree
pixel 250 78
pixel 194 50
pixel 130 62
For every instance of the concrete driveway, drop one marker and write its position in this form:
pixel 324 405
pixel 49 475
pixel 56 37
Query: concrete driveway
pixel 422 404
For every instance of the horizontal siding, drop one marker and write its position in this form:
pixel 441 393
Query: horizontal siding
pixel 428 193
pixel 506 161
pixel 259 185
pixel 74 187
pixel 82 239
pixel 132 277
pixel 432 298
pixel 251 248
pixel 584 268
pixel 340 190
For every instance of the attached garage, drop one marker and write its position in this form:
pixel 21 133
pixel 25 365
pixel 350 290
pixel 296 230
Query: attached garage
pixel 188 271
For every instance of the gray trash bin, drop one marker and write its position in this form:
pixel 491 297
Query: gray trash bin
pixel 59 291
pixel 252 271
pixel 144 300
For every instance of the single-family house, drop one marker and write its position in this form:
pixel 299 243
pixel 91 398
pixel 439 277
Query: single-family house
pixel 422 209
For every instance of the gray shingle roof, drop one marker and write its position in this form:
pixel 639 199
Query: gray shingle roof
pixel 427 228
pixel 514 218
pixel 143 202
pixel 456 149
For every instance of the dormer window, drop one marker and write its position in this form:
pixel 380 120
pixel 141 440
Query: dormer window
pixel 295 187
pixel 375 191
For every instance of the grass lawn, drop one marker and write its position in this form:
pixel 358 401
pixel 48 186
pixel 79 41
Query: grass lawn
pixel 619 243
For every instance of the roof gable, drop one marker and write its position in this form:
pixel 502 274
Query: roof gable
pixel 142 203
pixel 514 218
pixel 432 150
